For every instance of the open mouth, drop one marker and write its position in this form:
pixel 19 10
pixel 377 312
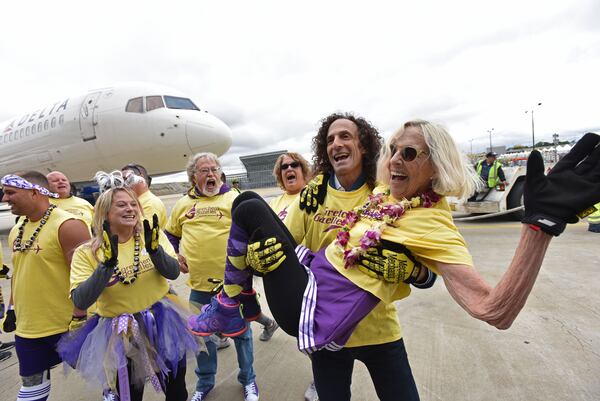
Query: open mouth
pixel 290 178
pixel 341 156
pixel 398 177
pixel 211 184
pixel 131 217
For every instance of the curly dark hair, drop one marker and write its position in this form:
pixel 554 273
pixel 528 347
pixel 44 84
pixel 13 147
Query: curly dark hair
pixel 369 138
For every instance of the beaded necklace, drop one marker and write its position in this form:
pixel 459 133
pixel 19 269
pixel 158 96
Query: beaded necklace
pixel 136 263
pixel 17 245
pixel 376 208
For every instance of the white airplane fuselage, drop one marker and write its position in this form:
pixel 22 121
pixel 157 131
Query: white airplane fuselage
pixel 108 128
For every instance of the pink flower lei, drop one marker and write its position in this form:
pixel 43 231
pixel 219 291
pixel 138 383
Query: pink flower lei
pixel 385 213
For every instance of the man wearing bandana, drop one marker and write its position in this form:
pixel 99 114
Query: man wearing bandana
pixel 40 310
pixel 137 178
pixel 198 229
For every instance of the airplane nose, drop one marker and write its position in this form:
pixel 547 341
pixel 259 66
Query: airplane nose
pixel 208 133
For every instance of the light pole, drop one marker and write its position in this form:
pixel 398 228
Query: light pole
pixel 532 126
pixel 490 132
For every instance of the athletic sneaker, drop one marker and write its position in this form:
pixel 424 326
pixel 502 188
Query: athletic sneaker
pixel 223 343
pixel 268 331
pixel 218 317
pixel 201 395
pixel 7 346
pixel 311 393
pixel 251 392
pixel 4 355
pixel 108 395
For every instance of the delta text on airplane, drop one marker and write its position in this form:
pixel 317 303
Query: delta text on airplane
pixel 105 129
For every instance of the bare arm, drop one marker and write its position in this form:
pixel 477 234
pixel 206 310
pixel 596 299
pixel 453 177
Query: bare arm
pixel 499 305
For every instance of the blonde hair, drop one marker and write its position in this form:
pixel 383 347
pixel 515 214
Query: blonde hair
pixel 191 164
pixel 101 209
pixel 454 175
pixel 306 170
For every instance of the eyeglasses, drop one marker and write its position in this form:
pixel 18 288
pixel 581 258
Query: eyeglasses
pixel 407 153
pixel 285 166
pixel 206 170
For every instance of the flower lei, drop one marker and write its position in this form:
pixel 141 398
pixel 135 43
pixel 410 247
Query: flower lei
pixel 17 244
pixel 386 213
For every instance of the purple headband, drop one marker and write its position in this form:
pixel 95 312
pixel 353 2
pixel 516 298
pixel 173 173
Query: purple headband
pixel 12 180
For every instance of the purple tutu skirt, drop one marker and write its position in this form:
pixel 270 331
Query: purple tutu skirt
pixel 149 344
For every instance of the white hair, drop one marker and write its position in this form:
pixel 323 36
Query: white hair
pixel 454 174
pixel 111 180
pixel 191 164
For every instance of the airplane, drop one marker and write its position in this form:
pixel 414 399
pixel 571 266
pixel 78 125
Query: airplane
pixel 107 128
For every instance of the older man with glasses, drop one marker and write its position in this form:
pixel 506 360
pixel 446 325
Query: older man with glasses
pixel 198 229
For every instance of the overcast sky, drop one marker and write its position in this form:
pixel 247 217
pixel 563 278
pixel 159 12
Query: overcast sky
pixel 273 69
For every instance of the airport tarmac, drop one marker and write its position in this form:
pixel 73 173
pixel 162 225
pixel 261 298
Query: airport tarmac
pixel 551 353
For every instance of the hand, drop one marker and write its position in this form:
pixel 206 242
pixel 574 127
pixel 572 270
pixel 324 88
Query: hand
pixel 567 191
pixel 265 255
pixel 4 271
pixel 9 323
pixel 151 234
pixel 390 262
pixel 183 267
pixel 77 322
pixel 110 246
pixel 313 194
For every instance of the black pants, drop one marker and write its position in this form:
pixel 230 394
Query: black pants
pixel 284 287
pixel 387 364
pixel 174 386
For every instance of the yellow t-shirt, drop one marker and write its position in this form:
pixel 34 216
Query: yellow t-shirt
pixel 430 235
pixel 77 206
pixel 41 280
pixel 118 298
pixel 203 225
pixel 151 204
pixel 281 203
pixel 318 230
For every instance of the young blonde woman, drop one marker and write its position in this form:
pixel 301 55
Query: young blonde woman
pixel 139 332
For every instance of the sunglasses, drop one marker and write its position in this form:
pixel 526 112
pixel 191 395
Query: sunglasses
pixel 407 153
pixel 285 166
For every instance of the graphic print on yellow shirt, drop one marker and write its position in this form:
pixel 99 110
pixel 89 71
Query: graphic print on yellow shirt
pixel 41 280
pixel 281 203
pixel 203 225
pixel 118 298
pixel 317 230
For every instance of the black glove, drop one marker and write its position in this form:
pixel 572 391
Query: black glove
pixel 390 262
pixel 9 324
pixel 313 194
pixel 110 246
pixel 151 234
pixel 4 271
pixel 568 192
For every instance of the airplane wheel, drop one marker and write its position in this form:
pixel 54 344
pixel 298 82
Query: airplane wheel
pixel 515 199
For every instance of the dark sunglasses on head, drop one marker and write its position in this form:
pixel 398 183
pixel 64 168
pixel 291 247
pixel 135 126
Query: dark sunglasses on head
pixel 407 153
pixel 284 166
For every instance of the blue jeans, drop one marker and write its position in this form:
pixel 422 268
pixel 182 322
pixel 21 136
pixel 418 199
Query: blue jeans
pixel 207 363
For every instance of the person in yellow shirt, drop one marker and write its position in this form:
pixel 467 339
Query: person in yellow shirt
pixel 4 346
pixel 40 311
pixel 138 333
pixel 137 178
pixel 60 184
pixel 292 172
pixel 198 228
pixel 388 242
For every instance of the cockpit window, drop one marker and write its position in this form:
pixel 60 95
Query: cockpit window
pixel 180 103
pixel 154 102
pixel 134 105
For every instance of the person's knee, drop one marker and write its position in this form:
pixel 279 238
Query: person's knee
pixel 35 387
pixel 244 196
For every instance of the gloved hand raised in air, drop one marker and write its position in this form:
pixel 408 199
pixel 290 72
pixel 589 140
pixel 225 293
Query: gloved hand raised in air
pixel 265 255
pixel 151 235
pixel 390 262
pixel 568 192
pixel 110 246
pixel 313 194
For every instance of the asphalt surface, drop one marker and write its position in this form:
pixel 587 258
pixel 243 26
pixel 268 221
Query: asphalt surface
pixel 551 353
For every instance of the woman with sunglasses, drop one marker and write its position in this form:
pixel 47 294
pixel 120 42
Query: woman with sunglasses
pixel 139 332
pixel 385 245
pixel 292 173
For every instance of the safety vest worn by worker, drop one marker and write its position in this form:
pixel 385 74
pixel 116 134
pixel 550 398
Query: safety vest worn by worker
pixel 493 175
pixel 594 218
